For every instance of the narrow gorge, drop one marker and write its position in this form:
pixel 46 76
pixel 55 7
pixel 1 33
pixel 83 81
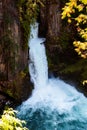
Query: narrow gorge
pixel 43 62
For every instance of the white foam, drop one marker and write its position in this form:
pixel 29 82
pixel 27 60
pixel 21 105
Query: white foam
pixel 52 93
pixel 38 67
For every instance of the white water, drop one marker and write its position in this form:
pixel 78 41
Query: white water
pixel 60 102
pixel 38 67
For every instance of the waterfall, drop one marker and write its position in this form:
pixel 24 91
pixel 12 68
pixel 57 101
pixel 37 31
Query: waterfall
pixel 53 105
pixel 38 67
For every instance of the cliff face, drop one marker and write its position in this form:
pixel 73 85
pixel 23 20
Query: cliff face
pixel 51 28
pixel 13 58
pixel 63 61
pixel 50 18
pixel 10 30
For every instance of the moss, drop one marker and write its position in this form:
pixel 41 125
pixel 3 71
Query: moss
pixel 9 92
pixel 78 69
pixel 26 70
pixel 28 12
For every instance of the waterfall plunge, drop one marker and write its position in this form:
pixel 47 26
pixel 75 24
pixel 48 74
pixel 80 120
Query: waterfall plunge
pixel 54 105
pixel 38 63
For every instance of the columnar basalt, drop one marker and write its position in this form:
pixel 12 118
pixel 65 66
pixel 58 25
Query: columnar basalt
pixel 13 59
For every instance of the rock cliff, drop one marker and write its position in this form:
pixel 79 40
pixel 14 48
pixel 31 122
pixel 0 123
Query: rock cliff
pixel 62 59
pixel 13 58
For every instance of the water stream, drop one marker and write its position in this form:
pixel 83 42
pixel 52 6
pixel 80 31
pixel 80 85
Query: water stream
pixel 54 105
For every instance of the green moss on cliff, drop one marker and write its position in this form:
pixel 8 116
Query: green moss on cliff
pixel 76 71
pixel 28 13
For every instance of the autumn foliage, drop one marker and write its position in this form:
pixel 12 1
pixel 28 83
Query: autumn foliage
pixel 76 10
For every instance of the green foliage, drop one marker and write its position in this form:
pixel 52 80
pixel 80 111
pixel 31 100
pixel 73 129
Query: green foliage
pixel 76 10
pixel 84 1
pixel 28 13
pixel 79 68
pixel 9 121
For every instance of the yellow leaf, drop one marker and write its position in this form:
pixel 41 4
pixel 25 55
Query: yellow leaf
pixel 84 1
pixel 69 21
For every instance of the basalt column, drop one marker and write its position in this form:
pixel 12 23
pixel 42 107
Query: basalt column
pixel 13 58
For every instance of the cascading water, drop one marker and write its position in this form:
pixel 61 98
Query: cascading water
pixel 38 62
pixel 54 105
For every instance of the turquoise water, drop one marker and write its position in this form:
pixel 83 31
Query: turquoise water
pixel 49 110
pixel 46 119
pixel 54 105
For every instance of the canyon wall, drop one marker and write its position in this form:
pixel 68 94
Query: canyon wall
pixel 13 57
pixel 63 61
